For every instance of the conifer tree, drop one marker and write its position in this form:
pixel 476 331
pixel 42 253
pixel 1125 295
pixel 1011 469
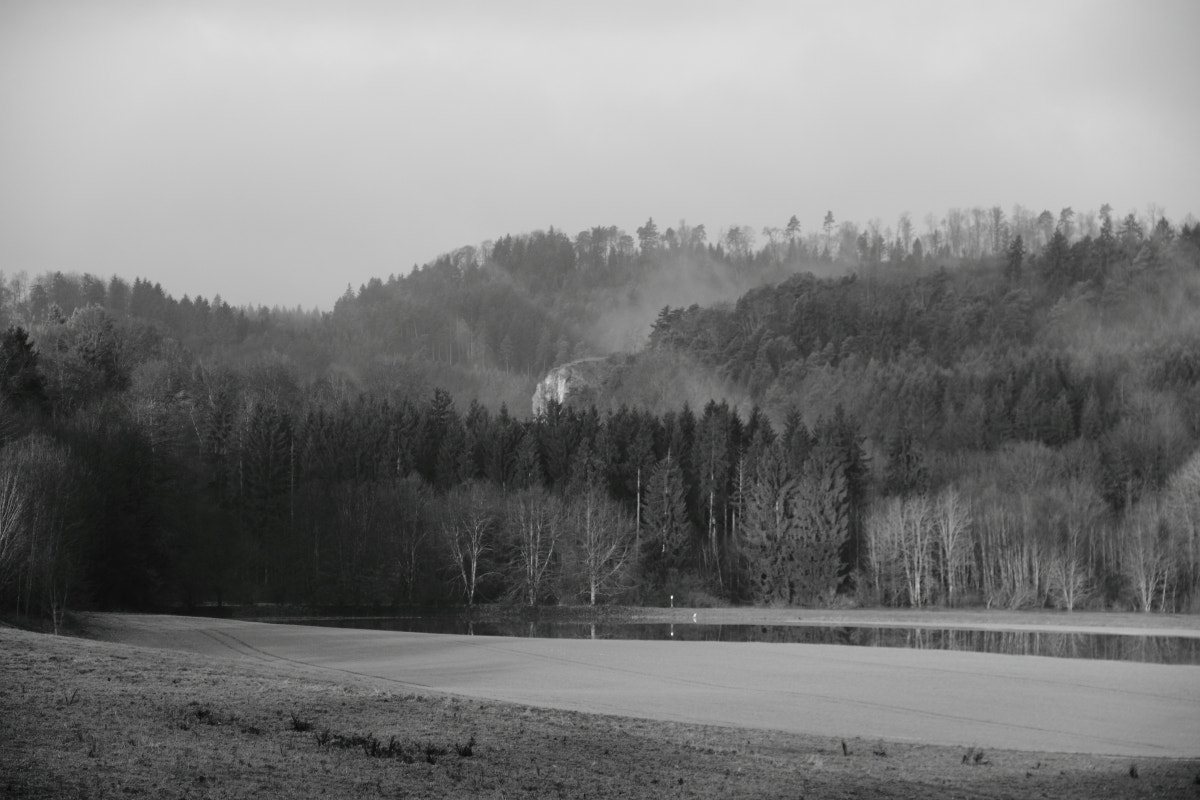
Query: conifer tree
pixel 527 469
pixel 454 463
pixel 769 530
pixel 267 481
pixel 667 531
pixel 1015 259
pixel 711 456
pixel 822 518
pixel 21 384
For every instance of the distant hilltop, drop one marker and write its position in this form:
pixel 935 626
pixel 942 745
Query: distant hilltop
pixel 577 380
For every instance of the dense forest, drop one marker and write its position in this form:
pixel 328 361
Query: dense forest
pixel 1001 410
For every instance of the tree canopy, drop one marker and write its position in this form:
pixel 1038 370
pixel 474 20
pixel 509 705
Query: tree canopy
pixel 1002 409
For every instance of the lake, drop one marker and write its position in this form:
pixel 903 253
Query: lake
pixel 1102 646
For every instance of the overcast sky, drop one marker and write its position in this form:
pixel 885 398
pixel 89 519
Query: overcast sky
pixel 273 152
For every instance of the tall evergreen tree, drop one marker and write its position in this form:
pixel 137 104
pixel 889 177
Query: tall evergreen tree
pixel 711 451
pixel 666 528
pixel 769 529
pixel 822 524
pixel 21 385
pixel 527 465
pixel 1015 259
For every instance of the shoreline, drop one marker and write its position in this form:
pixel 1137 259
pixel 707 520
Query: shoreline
pixel 1122 623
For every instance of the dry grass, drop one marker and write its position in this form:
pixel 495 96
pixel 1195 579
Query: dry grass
pixel 88 719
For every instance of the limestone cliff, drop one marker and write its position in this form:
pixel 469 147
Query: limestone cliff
pixel 577 381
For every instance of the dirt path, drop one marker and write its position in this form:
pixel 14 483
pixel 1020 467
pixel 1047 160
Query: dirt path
pixel 937 697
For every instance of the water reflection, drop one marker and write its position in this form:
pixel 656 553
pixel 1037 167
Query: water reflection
pixel 1110 647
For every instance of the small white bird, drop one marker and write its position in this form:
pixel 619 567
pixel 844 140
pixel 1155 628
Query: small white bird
pixel 694 616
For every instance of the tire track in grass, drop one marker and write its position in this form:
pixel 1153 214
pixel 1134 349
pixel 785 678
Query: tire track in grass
pixel 239 647
pixel 268 657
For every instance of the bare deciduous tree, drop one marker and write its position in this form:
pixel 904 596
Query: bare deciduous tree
pixel 1004 556
pixel 884 531
pixel 39 494
pixel 1182 503
pixel 951 523
pixel 915 549
pixel 406 501
pixel 468 529
pixel 1145 552
pixel 536 520
pixel 604 538
pixel 12 511
pixel 1068 574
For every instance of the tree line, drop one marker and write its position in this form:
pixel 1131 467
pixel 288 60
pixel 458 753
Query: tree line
pixel 1032 417
pixel 1015 427
pixel 201 486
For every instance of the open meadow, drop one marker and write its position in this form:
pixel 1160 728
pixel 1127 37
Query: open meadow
pixel 185 707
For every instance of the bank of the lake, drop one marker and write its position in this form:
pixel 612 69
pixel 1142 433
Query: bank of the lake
pixel 1116 622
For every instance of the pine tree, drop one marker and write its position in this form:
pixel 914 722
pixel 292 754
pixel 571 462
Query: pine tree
pixel 20 382
pixel 436 419
pixel 1015 259
pixel 527 469
pixel 906 471
pixel 454 464
pixel 1106 245
pixel 559 437
pixel 500 449
pixel 769 529
pixel 822 520
pixel 667 531
pixel 1056 267
pixel 267 483
pixel 711 456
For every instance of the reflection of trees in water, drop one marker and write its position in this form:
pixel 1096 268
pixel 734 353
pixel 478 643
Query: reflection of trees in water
pixel 1076 645
pixel 918 639
pixel 1073 644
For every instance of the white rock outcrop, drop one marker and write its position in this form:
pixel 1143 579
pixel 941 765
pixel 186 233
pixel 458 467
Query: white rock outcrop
pixel 568 380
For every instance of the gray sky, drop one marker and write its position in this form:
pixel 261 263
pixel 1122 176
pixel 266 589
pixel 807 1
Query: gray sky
pixel 273 152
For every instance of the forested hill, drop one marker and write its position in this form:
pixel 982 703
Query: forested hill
pixel 1043 347
pixel 483 322
pixel 1002 411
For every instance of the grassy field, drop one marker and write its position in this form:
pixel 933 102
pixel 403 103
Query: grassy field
pixel 89 719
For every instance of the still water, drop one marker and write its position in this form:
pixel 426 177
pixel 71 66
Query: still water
pixel 1102 646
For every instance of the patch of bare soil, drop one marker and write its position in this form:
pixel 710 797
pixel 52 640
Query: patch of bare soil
pixel 90 719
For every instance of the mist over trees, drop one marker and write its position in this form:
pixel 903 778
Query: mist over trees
pixel 996 409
